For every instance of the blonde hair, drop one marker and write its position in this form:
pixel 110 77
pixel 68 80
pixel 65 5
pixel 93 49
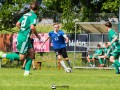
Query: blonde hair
pixel 55 24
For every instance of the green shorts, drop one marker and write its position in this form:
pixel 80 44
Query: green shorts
pixel 91 56
pixel 23 44
pixel 115 53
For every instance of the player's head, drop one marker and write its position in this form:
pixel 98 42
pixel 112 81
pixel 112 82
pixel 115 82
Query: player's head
pixel 98 45
pixel 56 26
pixel 106 44
pixel 34 6
pixel 108 24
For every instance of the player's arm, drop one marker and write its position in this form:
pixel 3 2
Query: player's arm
pixel 32 27
pixel 18 24
pixel 66 38
pixel 115 38
pixel 46 40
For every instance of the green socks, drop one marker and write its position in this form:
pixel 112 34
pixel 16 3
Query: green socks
pixel 100 61
pixel 104 61
pixel 116 63
pixel 13 56
pixel 28 64
pixel 116 68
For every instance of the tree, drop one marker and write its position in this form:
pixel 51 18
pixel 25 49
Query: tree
pixel 111 6
pixel 10 13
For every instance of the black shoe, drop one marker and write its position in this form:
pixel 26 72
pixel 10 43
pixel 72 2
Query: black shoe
pixel 118 72
pixel 23 68
pixel 34 68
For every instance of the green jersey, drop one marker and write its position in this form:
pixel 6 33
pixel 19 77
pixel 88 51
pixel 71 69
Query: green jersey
pixel 112 34
pixel 26 21
pixel 23 40
pixel 107 51
pixel 98 51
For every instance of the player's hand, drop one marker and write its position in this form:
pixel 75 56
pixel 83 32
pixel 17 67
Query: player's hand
pixel 109 43
pixel 39 37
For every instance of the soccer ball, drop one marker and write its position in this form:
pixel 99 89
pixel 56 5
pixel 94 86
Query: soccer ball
pixel 68 70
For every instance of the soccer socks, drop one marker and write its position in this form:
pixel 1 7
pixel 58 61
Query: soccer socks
pixel 12 56
pixel 116 68
pixel 90 63
pixel 116 62
pixel 104 61
pixel 28 64
pixel 69 64
pixel 63 64
pixel 100 61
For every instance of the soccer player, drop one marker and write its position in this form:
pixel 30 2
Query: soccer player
pixel 105 55
pixel 33 61
pixel 59 40
pixel 26 24
pixel 114 44
pixel 97 53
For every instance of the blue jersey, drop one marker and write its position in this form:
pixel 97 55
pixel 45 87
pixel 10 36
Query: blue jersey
pixel 57 39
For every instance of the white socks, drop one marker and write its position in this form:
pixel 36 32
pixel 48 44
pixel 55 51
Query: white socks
pixel 3 56
pixel 63 64
pixel 26 73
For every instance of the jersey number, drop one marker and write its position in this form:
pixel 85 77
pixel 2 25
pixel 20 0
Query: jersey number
pixel 24 21
pixel 56 38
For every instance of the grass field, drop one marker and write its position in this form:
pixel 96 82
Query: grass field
pixel 79 79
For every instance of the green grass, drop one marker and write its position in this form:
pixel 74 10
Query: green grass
pixel 41 28
pixel 79 79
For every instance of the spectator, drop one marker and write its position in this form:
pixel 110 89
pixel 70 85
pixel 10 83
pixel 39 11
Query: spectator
pixel 97 53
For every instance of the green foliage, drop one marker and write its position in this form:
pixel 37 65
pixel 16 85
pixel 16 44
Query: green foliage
pixel 9 13
pixel 111 6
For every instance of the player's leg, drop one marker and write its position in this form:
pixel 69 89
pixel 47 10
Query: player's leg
pixel 65 56
pixel 114 59
pixel 10 56
pixel 28 64
pixel 89 57
pixel 100 59
pixel 33 64
pixel 23 66
pixel 58 54
pixel 93 60
pixel 20 45
pixel 29 57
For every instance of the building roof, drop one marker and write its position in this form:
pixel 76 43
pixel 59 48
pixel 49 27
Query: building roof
pixel 95 27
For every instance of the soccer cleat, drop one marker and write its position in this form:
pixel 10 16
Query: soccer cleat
pixel 27 74
pixel 34 68
pixel 101 65
pixel 23 68
pixel 90 65
pixel 1 53
pixel 93 65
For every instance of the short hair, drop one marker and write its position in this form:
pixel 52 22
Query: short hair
pixel 55 24
pixel 108 24
pixel 34 6
pixel 106 43
pixel 98 45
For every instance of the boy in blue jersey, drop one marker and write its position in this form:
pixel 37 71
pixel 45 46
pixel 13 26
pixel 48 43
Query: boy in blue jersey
pixel 115 45
pixel 59 40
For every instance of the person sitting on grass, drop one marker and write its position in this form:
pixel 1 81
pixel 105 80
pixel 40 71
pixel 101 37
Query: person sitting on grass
pixel 97 53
